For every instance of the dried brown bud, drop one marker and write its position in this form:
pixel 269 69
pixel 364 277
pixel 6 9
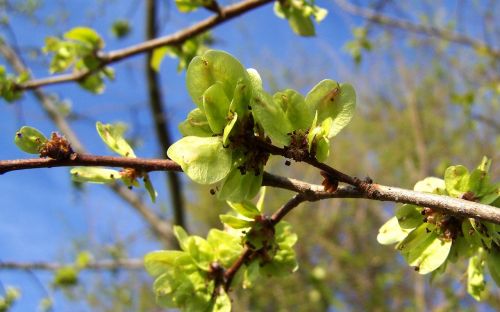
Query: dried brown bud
pixel 57 148
pixel 329 183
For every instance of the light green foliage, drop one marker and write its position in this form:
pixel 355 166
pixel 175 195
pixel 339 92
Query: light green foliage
pixel 8 83
pixel 299 14
pixel 186 6
pixel 79 49
pixel 429 239
pixel 29 140
pixel 121 28
pixel 112 135
pixel 203 159
pixel 233 104
pixel 186 279
pixel 11 296
pixel 65 277
pixel 185 52
pixel 192 279
pixel 359 44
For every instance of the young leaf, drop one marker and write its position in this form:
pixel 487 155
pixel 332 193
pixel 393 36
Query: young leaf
pixel 430 185
pixel 149 187
pixel 297 112
pixel 226 247
pixel 271 117
pixel 391 232
pixel 66 276
pixel 211 67
pixel 424 251
pixel 216 107
pixel 237 187
pixel 333 100
pixel 85 35
pixel 112 135
pixel 409 216
pixel 228 128
pixel 476 285
pixel 235 222
pixel 196 124
pixel 159 262
pixel 29 140
pixel 456 179
pixel 204 160
pixel 245 208
pixel 94 175
pixel 493 261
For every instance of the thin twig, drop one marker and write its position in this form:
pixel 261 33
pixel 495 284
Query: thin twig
pixel 177 38
pixel 231 271
pixel 103 265
pixel 385 20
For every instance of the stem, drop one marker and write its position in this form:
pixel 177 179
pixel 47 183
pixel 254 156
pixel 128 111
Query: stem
pixel 126 264
pixel 231 272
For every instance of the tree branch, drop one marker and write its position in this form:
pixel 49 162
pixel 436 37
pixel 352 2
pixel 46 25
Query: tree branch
pixel 385 20
pixel 310 192
pixel 176 38
pixel 159 117
pixel 122 264
pixel 159 226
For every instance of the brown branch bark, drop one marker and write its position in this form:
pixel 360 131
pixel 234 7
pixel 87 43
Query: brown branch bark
pixel 176 38
pixel 310 192
pixel 103 265
pixel 385 20
pixel 159 117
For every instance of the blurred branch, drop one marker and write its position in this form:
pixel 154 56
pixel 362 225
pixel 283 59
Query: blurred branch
pixel 124 264
pixel 385 20
pixel 310 192
pixel 161 228
pixel 159 117
pixel 177 38
pixel 489 121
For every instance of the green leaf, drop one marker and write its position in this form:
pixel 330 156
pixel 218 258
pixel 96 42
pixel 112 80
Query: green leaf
pixel 391 232
pixel 149 187
pixel 255 79
pixel 333 100
pixel 159 262
pixel 216 107
pixel 228 129
pixel 285 237
pixel 29 140
pixel 201 252
pixel 66 276
pixel 157 57
pixel 430 185
pixel 237 187
pixel 424 250
pixel 271 117
pixel 251 274
pixel 182 237
pixel 85 35
pixel 493 261
pixel 204 160
pixel 94 175
pixel 83 259
pixel 93 83
pixel 456 179
pixel 297 112
pixel 196 124
pixel 112 135
pixel 211 67
pixel 245 208
pixel 235 222
pixel 301 25
pixel 409 216
pixel 226 247
pixel 476 285
pixel 241 97
pixel 121 28
pixel 222 302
